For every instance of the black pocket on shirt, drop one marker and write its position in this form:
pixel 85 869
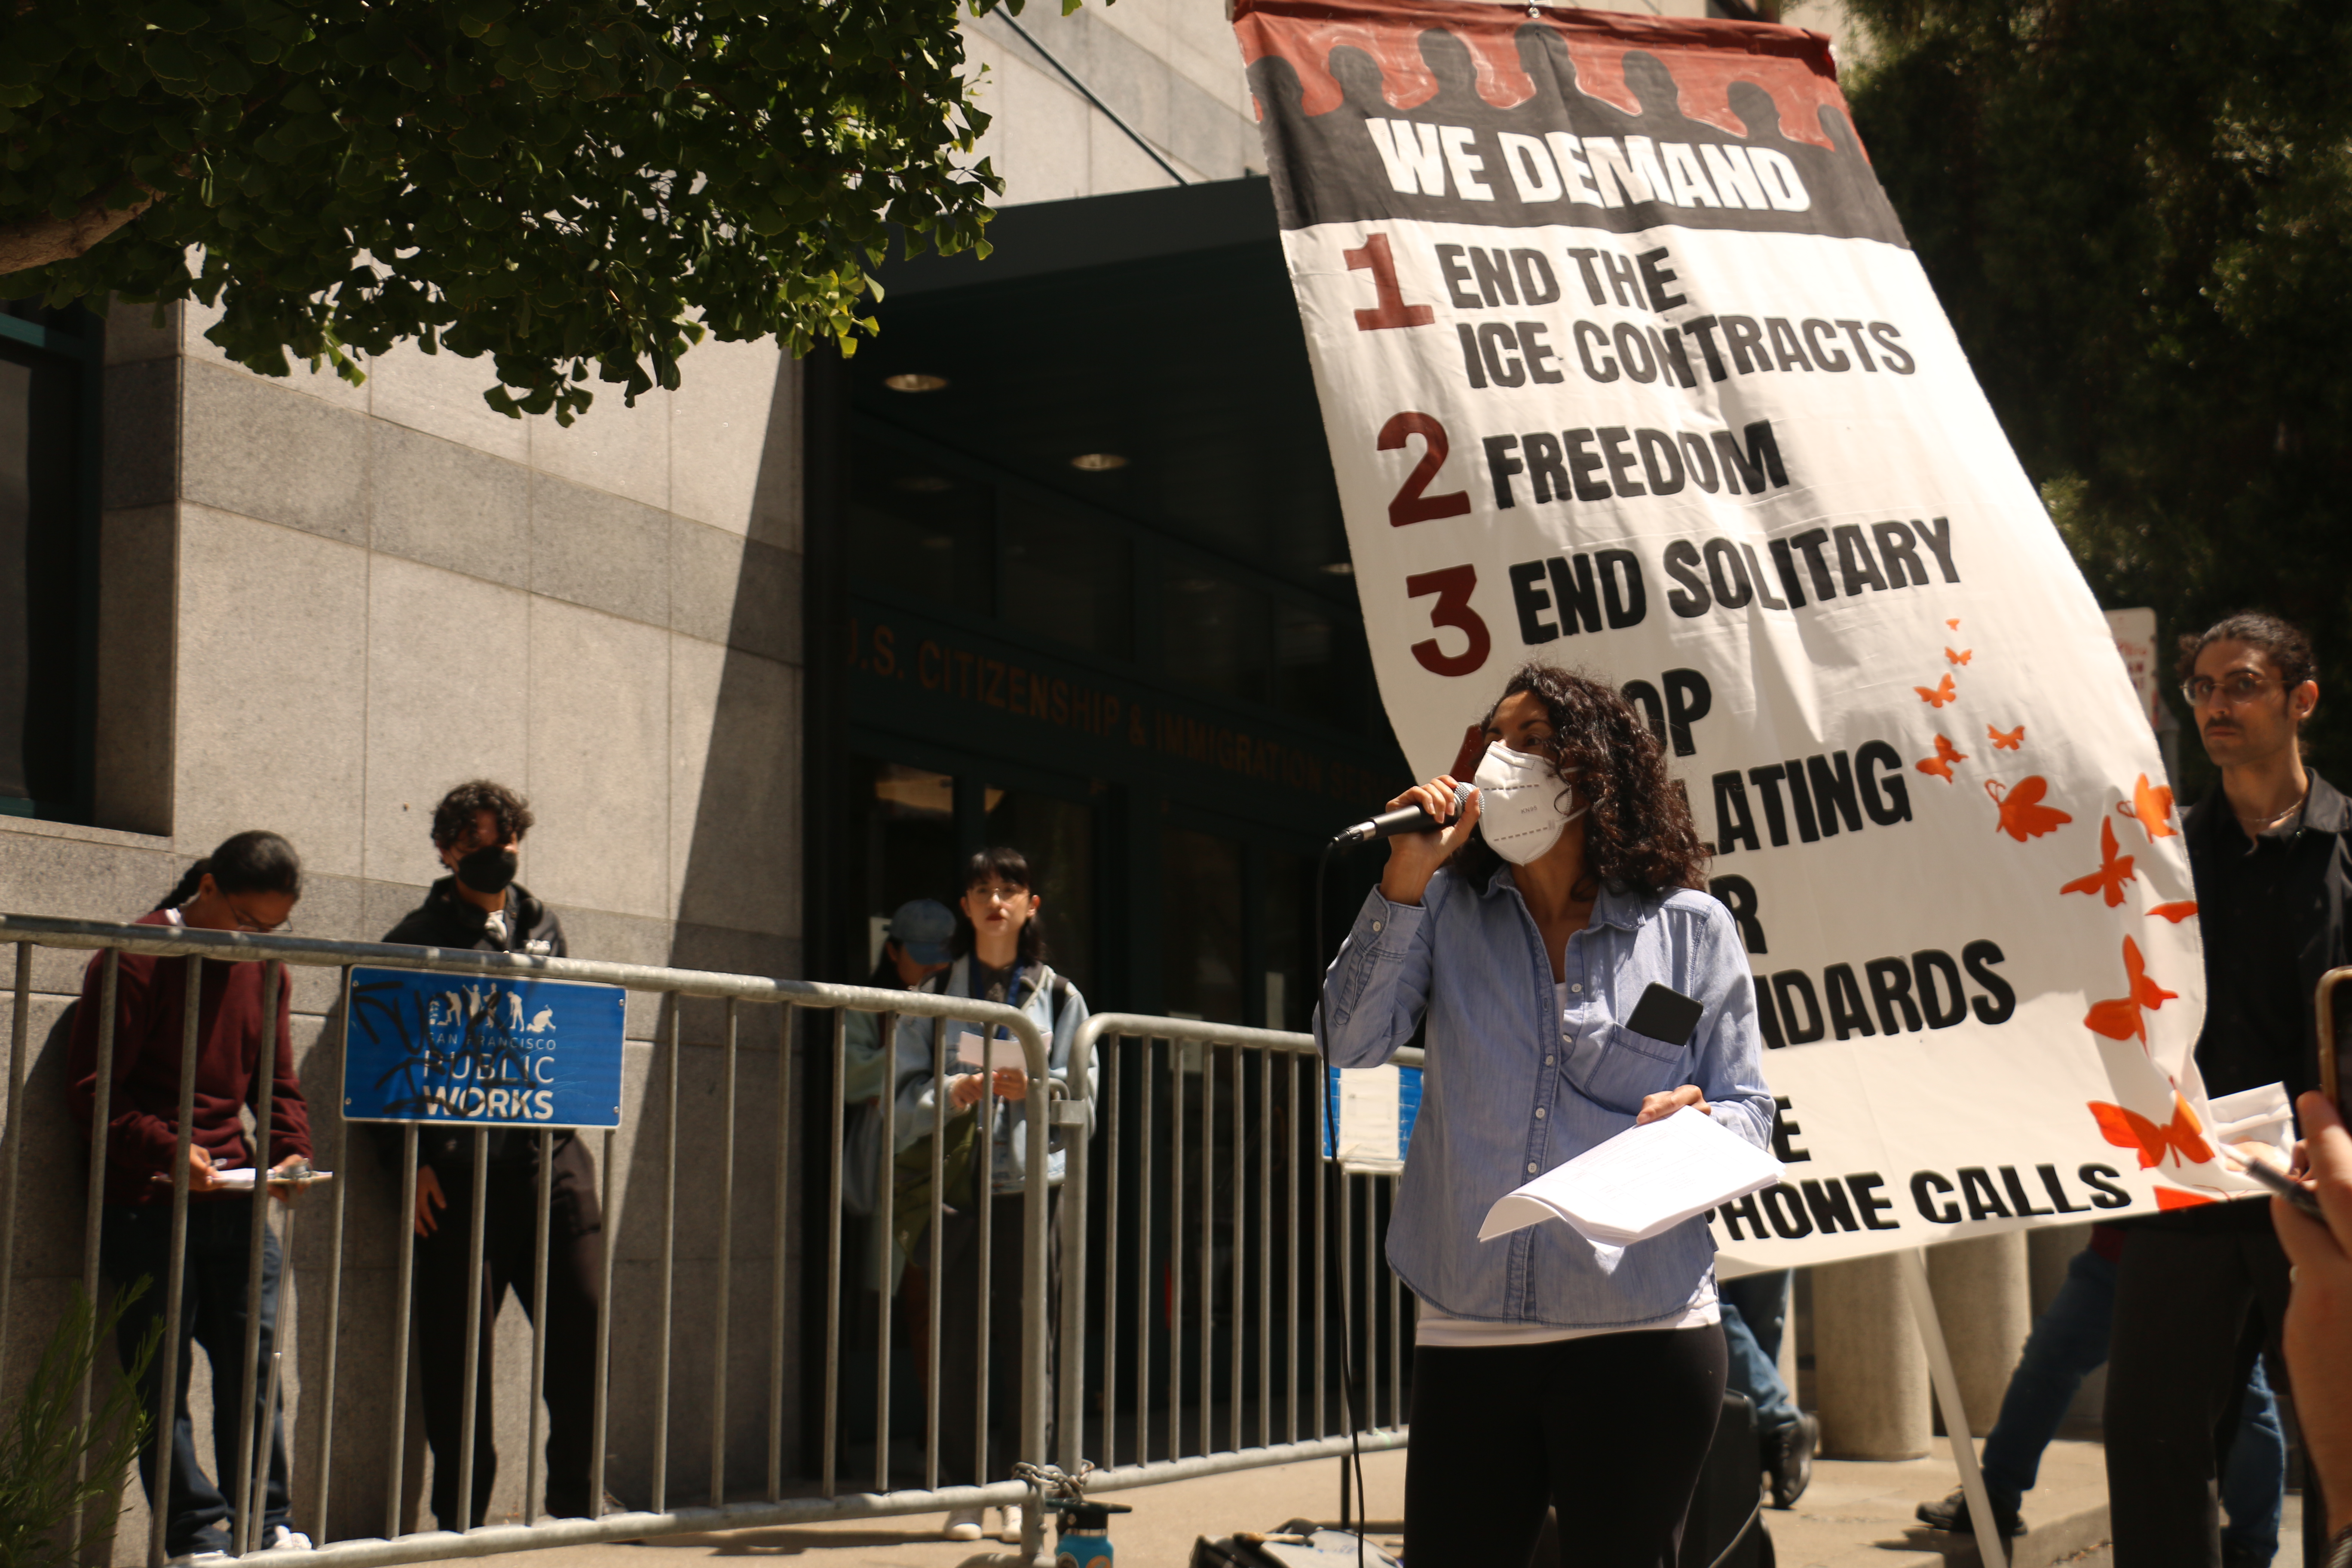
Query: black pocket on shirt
pixel 1632 1067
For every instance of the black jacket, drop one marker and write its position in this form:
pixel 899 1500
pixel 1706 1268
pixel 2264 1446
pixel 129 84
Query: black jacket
pixel 2274 922
pixel 2300 902
pixel 446 921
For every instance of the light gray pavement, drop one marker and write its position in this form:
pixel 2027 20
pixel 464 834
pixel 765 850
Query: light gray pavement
pixel 1855 1515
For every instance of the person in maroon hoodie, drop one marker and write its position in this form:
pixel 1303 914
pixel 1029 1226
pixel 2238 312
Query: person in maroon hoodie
pixel 250 883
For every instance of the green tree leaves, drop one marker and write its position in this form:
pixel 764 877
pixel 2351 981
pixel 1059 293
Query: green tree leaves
pixel 2137 215
pixel 571 189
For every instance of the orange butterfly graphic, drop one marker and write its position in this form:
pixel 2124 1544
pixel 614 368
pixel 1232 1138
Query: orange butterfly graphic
pixel 2114 870
pixel 2175 913
pixel 2151 807
pixel 1962 657
pixel 2022 814
pixel 2181 1138
pixel 1935 696
pixel 1940 764
pixel 1954 623
pixel 2120 1018
pixel 2005 741
pixel 2174 1198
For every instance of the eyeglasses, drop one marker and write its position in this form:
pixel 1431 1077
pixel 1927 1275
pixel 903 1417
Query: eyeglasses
pixel 2238 686
pixel 1001 895
pixel 245 922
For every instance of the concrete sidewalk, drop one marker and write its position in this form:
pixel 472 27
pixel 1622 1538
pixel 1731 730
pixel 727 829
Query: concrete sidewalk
pixel 1859 1513
pixel 1855 1515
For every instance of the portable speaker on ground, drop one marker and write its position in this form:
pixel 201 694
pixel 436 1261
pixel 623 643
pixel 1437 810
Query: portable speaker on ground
pixel 1725 1527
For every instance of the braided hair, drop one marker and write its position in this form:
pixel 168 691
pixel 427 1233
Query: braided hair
pixel 253 862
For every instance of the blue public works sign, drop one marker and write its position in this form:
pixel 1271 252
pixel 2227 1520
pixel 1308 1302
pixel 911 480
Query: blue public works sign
pixel 483 1051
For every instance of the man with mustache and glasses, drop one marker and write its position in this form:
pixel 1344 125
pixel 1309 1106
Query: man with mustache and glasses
pixel 2199 1291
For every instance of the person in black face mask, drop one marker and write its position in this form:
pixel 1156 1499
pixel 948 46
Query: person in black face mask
pixel 478 830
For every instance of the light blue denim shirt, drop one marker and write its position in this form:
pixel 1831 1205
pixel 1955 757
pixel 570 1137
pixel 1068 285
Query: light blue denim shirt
pixel 1512 1085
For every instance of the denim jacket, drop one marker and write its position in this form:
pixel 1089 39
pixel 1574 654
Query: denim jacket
pixel 1059 1011
pixel 1512 1085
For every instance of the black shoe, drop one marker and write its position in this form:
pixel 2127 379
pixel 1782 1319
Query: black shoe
pixel 1788 1459
pixel 1952 1514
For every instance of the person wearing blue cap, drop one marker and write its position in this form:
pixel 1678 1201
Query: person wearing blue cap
pixel 914 948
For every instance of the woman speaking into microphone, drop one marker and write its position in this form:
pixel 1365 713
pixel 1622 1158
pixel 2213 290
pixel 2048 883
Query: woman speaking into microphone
pixel 1525 934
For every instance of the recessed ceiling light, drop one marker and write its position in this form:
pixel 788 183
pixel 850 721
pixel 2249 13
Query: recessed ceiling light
pixel 1340 568
pixel 914 381
pixel 1098 462
pixel 922 484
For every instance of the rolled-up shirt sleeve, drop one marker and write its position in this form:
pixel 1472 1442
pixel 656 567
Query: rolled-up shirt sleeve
pixel 1377 987
pixel 1729 1068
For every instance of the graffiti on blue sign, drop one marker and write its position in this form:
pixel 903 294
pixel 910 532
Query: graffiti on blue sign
pixel 484 1051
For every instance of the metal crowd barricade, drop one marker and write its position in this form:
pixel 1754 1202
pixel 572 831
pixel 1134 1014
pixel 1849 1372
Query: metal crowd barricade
pixel 1273 1090
pixel 738 992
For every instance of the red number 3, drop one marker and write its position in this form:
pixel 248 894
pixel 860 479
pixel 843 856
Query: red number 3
pixel 1408 504
pixel 1452 586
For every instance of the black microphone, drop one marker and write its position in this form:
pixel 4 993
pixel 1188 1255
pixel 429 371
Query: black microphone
pixel 1406 819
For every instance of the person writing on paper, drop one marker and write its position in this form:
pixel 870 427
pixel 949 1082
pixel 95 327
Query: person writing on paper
pixel 1546 1370
pixel 250 884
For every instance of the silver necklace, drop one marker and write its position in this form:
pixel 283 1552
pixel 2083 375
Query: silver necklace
pixel 2254 826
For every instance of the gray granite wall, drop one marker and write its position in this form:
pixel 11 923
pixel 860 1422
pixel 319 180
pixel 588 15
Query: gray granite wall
pixel 323 605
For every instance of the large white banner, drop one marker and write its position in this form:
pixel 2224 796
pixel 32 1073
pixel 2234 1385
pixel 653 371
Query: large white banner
pixel 1626 365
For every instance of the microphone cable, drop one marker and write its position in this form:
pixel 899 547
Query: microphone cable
pixel 1349 1394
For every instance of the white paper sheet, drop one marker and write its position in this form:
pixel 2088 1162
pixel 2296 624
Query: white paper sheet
pixel 2253 1116
pixel 1367 1119
pixel 1001 1054
pixel 1639 1184
pixel 241 1179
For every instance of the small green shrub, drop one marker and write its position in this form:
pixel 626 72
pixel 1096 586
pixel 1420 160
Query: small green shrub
pixel 54 1466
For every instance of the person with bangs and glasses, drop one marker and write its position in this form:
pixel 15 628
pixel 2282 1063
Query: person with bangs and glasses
pixel 250 884
pixel 999 955
pixel 1522 935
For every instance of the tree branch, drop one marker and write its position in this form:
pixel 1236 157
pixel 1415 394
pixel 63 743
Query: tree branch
pixel 36 242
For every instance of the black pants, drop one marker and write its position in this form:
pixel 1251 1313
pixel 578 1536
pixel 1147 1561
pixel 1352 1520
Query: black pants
pixel 2189 1307
pixel 1611 1430
pixel 575 1264
pixel 960 1349
pixel 136 1243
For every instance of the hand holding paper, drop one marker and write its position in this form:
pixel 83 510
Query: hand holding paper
pixel 1639 1184
pixel 1000 1056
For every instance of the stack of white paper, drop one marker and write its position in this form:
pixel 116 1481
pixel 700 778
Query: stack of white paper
pixel 1639 1184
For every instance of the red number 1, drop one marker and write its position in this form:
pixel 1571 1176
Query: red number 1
pixel 1391 310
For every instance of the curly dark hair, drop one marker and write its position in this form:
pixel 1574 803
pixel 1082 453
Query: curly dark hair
pixel 453 817
pixel 2288 649
pixel 1638 833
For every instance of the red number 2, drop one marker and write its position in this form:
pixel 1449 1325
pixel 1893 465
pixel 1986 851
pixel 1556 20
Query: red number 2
pixel 1408 504
pixel 1452 586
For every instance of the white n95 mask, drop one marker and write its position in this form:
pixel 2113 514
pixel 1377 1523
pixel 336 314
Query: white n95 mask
pixel 1523 805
